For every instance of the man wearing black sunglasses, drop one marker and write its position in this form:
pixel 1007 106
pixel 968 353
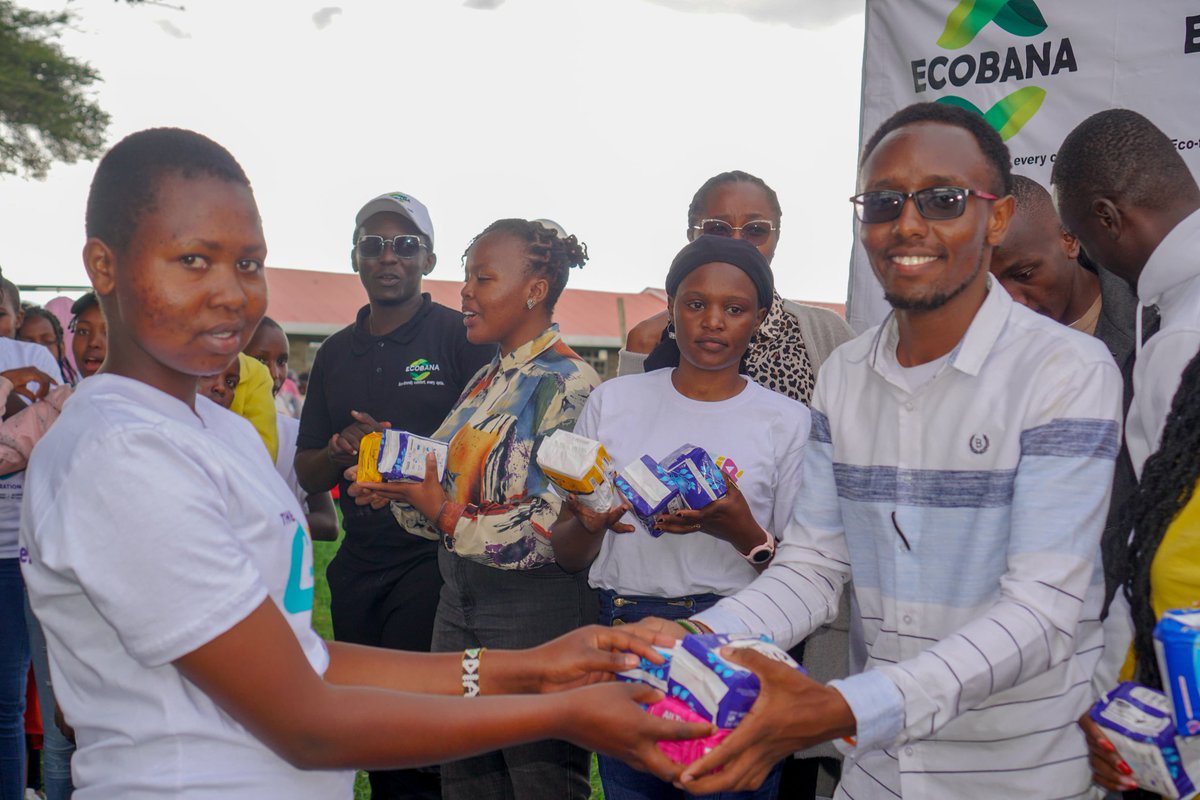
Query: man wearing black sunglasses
pixel 958 471
pixel 403 362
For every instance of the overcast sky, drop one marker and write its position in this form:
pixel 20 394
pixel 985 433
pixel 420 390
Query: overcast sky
pixel 605 115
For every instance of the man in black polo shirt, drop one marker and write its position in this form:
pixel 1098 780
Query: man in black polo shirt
pixel 405 360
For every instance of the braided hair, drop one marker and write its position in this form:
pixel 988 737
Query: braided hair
pixel 550 254
pixel 64 364
pixel 1168 480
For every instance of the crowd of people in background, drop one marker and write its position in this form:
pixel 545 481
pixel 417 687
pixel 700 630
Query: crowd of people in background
pixel 964 522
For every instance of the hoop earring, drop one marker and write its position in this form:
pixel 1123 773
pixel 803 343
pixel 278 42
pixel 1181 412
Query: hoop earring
pixel 671 329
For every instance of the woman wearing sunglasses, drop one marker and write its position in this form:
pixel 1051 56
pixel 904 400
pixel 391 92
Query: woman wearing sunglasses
pixel 494 508
pixel 787 352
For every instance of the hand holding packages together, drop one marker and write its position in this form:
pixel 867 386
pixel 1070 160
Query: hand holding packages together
pixel 1137 720
pixel 578 465
pixel 390 455
pixel 687 478
pixel 703 686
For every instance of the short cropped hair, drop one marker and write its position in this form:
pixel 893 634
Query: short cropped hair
pixel 990 143
pixel 1121 155
pixel 123 188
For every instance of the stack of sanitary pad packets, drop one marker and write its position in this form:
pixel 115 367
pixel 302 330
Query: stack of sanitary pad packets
pixel 702 686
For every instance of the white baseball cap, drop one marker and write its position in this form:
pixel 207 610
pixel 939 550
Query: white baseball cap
pixel 400 203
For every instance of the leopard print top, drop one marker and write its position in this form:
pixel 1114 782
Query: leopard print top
pixel 778 359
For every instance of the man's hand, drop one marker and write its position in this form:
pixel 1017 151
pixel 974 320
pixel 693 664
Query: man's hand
pixel 609 719
pixel 593 653
pixel 792 712
pixel 659 628
pixel 22 379
pixel 343 447
pixel 1108 768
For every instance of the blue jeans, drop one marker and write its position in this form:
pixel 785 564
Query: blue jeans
pixel 622 782
pixel 56 748
pixel 14 675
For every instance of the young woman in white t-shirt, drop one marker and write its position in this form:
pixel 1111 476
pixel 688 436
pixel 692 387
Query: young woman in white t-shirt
pixel 171 569
pixel 719 290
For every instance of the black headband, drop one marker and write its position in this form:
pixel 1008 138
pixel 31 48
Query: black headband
pixel 709 249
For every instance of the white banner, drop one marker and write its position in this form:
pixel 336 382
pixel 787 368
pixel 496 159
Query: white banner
pixel 1035 69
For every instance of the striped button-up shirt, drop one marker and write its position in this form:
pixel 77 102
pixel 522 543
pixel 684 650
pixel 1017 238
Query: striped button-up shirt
pixel 968 511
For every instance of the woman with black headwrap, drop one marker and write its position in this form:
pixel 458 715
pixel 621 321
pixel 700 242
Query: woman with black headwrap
pixel 719 291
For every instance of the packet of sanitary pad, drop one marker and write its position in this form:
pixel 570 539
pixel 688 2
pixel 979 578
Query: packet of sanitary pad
pixel 1177 644
pixel 718 690
pixel 687 750
pixel 698 479
pixel 578 465
pixel 1137 720
pixel 650 490
pixel 648 672
pixel 391 455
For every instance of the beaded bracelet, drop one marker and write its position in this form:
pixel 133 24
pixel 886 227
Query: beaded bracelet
pixel 688 626
pixel 470 665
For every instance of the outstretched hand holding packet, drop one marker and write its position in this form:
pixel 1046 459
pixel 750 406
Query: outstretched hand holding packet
pixel 391 455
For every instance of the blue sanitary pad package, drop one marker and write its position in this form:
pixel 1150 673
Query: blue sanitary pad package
pixel 1137 720
pixel 1177 643
pixel 698 479
pixel 649 489
pixel 717 689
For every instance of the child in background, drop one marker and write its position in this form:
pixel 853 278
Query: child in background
pixel 41 326
pixel 89 342
pixel 11 314
pixel 180 625
pixel 220 386
pixel 269 345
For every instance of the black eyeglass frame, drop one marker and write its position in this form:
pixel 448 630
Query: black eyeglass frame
pixel 920 197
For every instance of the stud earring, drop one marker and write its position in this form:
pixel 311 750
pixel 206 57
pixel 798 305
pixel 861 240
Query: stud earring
pixel 529 304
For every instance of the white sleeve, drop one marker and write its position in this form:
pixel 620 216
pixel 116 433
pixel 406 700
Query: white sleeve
pixel 800 591
pixel 790 470
pixel 143 528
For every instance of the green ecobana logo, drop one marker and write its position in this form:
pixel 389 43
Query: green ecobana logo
pixel 969 17
pixel 1008 115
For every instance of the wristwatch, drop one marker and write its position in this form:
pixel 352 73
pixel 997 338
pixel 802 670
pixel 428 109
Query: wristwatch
pixel 762 553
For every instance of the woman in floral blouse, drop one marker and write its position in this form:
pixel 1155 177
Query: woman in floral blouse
pixel 494 508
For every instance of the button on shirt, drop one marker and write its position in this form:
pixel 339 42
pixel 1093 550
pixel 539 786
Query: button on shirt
pixel 971 527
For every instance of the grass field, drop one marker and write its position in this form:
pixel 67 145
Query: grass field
pixel 323 553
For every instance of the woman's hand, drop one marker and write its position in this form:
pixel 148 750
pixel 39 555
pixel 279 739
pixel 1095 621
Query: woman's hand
pixel 728 519
pixel 1108 768
pixel 593 653
pixel 596 522
pixel 426 497
pixel 609 719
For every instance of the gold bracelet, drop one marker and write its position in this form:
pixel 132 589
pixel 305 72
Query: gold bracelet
pixel 470 666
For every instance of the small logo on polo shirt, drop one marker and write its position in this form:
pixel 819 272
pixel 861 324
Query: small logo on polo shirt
pixel 421 369
pixel 979 444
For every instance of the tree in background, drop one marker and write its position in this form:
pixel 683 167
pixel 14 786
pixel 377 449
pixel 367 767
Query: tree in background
pixel 46 113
